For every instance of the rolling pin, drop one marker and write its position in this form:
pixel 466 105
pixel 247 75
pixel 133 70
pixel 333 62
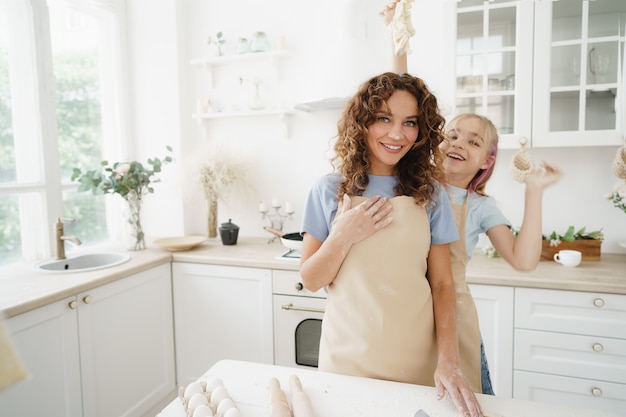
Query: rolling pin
pixel 299 400
pixel 279 407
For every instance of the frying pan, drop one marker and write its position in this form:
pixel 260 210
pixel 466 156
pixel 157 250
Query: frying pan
pixel 289 240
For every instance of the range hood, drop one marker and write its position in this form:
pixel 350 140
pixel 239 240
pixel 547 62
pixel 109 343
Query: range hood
pixel 354 46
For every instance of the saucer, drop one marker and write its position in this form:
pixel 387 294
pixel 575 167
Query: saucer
pixel 180 243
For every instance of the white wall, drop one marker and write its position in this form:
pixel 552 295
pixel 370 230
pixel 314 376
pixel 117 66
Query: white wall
pixel 166 87
pixel 153 48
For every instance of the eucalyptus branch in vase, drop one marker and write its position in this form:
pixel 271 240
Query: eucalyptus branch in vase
pixel 131 180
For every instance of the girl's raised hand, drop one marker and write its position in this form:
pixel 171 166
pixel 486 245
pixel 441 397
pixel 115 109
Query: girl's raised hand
pixel 544 175
pixel 388 11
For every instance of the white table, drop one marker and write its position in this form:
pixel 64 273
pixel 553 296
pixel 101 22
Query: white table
pixel 334 395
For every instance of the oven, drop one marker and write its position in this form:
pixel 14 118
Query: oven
pixel 298 317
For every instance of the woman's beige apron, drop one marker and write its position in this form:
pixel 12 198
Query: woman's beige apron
pixel 378 321
pixel 466 315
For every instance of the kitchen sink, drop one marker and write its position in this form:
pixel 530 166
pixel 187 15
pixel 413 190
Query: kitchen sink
pixel 83 263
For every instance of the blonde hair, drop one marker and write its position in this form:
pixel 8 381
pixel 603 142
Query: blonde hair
pixel 489 133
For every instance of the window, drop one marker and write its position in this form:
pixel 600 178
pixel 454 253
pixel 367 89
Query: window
pixel 60 101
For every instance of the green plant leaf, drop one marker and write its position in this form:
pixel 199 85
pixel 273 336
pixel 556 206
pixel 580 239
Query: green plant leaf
pixel 569 235
pixel 595 235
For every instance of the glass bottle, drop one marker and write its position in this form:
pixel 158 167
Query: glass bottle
pixel 259 42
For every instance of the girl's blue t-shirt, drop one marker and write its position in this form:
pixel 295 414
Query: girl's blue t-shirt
pixel 321 207
pixel 482 214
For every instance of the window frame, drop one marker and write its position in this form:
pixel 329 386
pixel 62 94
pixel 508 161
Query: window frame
pixel 39 187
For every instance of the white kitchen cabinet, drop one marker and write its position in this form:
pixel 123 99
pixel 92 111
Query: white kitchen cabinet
pixel 492 68
pixel 220 312
pixel 46 339
pixel 577 93
pixel 105 352
pixel 570 347
pixel 495 314
pixel 127 344
pixel 547 71
pixel 242 85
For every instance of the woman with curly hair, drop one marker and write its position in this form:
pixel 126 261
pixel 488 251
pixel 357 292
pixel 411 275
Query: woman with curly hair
pixel 377 232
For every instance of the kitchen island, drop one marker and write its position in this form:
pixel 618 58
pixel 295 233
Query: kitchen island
pixel 334 395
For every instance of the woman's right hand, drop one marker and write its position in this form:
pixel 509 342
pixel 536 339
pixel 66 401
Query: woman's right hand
pixel 320 261
pixel 360 222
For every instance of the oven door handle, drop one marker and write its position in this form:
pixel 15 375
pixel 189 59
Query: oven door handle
pixel 290 306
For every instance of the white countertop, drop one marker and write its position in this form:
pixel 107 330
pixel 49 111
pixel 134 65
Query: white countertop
pixel 22 288
pixel 334 395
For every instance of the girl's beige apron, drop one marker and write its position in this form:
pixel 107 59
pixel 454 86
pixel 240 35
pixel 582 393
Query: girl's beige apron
pixel 379 319
pixel 466 315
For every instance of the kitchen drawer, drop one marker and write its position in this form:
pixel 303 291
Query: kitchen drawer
pixel 290 283
pixel 571 312
pixel 573 392
pixel 571 355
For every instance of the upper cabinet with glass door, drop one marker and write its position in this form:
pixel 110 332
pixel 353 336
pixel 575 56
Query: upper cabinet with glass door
pixel 493 64
pixel 579 54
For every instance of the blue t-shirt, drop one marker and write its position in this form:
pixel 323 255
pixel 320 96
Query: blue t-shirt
pixel 321 207
pixel 482 214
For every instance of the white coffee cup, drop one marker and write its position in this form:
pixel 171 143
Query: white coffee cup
pixel 569 258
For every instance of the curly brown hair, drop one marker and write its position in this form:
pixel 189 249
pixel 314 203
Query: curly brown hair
pixel 419 169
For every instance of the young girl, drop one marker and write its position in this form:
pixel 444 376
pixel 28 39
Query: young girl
pixel 471 151
pixel 390 312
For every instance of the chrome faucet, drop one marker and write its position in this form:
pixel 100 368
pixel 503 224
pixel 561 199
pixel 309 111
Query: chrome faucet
pixel 60 239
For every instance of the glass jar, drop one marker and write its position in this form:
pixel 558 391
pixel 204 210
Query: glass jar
pixel 259 42
pixel 243 47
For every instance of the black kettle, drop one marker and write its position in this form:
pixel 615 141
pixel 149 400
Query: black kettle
pixel 229 232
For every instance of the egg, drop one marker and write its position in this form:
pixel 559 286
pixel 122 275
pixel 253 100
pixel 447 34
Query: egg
pixel 225 405
pixel 233 412
pixel 202 411
pixel 197 400
pixel 193 388
pixel 218 394
pixel 213 383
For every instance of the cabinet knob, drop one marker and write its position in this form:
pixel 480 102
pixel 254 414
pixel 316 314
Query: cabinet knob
pixel 87 299
pixel 299 286
pixel 72 304
pixel 598 302
pixel 597 392
pixel 598 347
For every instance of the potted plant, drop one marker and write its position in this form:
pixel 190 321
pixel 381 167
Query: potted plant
pixel 588 243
